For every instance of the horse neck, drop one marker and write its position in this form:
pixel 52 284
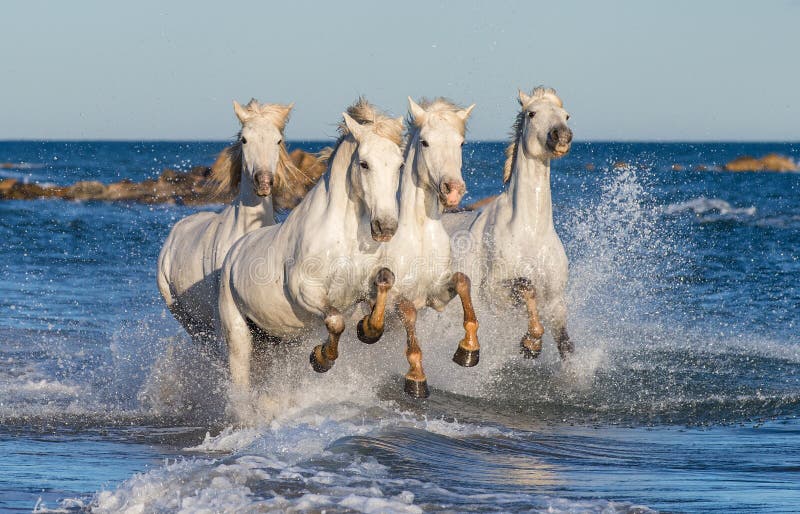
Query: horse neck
pixel 340 204
pixel 529 190
pixel 252 210
pixel 417 202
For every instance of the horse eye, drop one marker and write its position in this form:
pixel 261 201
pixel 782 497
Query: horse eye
pixel 531 114
pixel 462 144
pixel 244 140
pixel 364 165
pixel 402 166
pixel 567 116
pixel 424 143
pixel 280 141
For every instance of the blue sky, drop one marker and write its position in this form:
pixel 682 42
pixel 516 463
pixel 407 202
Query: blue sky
pixel 627 70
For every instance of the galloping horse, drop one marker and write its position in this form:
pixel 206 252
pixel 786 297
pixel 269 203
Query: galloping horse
pixel 419 253
pixel 189 263
pixel 319 262
pixel 511 245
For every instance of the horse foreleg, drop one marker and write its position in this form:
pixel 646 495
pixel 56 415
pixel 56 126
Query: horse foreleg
pixel 415 384
pixel 324 356
pixel 468 351
pixel 559 326
pixel 531 343
pixel 370 328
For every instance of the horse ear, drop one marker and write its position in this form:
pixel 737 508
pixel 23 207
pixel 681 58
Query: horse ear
pixel 464 113
pixel 353 126
pixel 523 98
pixel 240 111
pixel 417 112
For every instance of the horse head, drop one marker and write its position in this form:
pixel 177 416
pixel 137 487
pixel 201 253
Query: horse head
pixel 437 136
pixel 374 173
pixel 261 143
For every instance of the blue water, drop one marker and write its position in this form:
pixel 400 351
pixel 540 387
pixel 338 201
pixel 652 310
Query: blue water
pixel 684 299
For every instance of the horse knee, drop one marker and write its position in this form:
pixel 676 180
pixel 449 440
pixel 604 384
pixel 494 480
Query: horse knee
pixel 461 283
pixel 522 290
pixel 334 323
pixel 384 279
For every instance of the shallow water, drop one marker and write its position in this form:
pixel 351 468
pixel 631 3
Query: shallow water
pixel 684 394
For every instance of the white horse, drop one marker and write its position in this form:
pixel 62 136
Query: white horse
pixel 189 262
pixel 511 244
pixel 419 253
pixel 319 262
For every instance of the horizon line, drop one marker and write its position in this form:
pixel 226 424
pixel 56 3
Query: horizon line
pixel 315 140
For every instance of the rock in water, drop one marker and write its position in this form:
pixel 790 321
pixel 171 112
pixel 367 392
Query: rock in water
pixel 770 162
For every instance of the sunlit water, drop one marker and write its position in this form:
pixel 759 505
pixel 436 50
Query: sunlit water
pixel 683 395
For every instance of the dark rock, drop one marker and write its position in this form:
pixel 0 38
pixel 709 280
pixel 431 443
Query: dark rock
pixel 86 190
pixel 195 187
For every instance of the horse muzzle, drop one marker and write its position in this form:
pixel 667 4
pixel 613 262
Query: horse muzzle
pixel 559 141
pixel 451 192
pixel 263 183
pixel 383 229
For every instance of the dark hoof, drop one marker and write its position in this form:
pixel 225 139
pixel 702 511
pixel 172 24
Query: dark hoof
pixel 566 349
pixel 319 365
pixel 530 348
pixel 466 358
pixel 417 388
pixel 364 338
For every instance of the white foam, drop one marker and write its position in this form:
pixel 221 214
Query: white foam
pixel 371 505
pixel 703 205
pixel 229 440
pixel 43 387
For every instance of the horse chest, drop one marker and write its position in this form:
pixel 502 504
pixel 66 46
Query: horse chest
pixel 419 258
pixel 524 251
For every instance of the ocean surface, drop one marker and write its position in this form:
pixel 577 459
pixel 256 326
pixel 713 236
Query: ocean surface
pixel 683 395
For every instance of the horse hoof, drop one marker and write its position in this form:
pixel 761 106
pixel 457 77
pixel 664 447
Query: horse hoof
pixel 466 358
pixel 530 348
pixel 566 349
pixel 417 388
pixel 363 337
pixel 319 364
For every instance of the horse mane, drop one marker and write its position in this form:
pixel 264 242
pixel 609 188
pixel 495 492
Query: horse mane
pixel 226 171
pixel 290 183
pixel 443 106
pixel 368 115
pixel 538 93
pixel 324 155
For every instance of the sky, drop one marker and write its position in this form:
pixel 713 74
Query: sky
pixel 626 70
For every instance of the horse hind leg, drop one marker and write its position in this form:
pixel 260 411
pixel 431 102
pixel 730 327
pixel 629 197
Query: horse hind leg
pixel 239 339
pixel 416 385
pixel 324 356
pixel 370 328
pixel 531 343
pixel 468 351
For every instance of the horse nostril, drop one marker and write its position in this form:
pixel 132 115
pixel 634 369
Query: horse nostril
pixel 376 227
pixel 446 188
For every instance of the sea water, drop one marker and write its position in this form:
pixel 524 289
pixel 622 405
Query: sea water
pixel 683 394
